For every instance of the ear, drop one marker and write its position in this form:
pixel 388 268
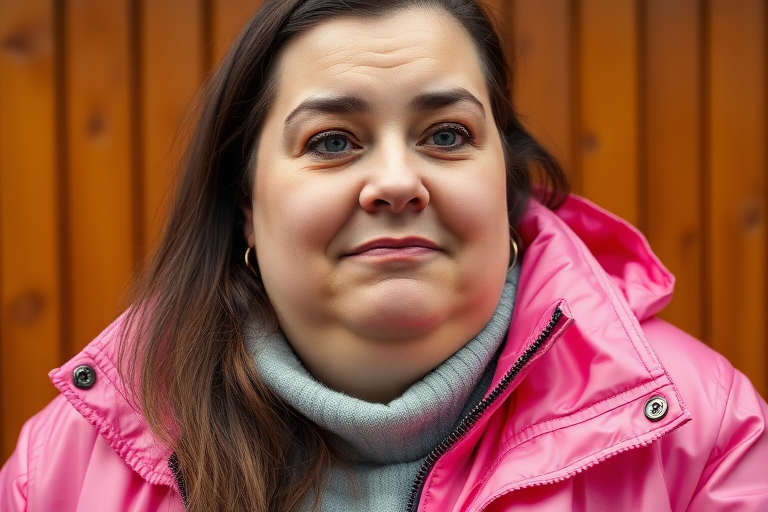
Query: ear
pixel 248 231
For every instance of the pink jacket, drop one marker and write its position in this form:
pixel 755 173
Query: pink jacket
pixel 596 405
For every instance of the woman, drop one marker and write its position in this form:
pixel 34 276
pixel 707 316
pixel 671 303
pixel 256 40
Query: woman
pixel 340 316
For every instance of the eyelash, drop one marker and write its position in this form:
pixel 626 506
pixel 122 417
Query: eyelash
pixel 461 130
pixel 324 136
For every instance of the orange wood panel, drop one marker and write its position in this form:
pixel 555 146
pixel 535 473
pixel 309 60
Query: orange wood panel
pixel 673 137
pixel 229 16
pixel 102 234
pixel 543 82
pixel 173 63
pixel 738 184
pixel 608 160
pixel 30 314
pixel 500 13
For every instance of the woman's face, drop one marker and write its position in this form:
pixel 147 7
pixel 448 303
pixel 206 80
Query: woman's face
pixel 379 209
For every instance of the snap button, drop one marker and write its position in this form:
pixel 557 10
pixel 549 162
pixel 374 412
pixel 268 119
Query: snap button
pixel 656 408
pixel 84 377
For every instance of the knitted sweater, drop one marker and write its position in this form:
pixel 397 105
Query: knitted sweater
pixel 385 444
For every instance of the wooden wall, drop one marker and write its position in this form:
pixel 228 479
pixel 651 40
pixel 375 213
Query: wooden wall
pixel 658 108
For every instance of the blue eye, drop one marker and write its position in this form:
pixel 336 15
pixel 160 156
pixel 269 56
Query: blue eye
pixel 329 144
pixel 334 144
pixel 444 138
pixel 448 136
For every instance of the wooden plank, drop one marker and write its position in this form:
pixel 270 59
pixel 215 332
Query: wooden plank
pixel 543 82
pixel 673 135
pixel 30 313
pixel 228 18
pixel 173 66
pixel 101 229
pixel 738 184
pixel 608 74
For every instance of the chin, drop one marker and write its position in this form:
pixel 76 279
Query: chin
pixel 398 323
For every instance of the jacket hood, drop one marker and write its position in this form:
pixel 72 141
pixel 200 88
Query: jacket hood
pixel 623 252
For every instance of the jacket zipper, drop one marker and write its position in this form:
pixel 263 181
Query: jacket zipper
pixel 459 432
pixel 477 412
pixel 173 463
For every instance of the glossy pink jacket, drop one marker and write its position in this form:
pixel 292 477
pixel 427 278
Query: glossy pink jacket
pixel 565 430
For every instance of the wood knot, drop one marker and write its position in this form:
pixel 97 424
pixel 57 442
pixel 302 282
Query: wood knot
pixel 30 42
pixel 96 124
pixel 751 214
pixel 27 308
pixel 590 143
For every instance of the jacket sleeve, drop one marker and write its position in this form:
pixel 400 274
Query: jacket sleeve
pixel 14 476
pixel 735 477
pixel 49 461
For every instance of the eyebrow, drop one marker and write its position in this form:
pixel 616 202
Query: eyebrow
pixel 436 100
pixel 346 104
pixel 355 105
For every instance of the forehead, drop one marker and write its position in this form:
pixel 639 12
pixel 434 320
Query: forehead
pixel 400 52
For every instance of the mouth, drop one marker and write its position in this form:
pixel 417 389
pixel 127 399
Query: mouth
pixel 387 246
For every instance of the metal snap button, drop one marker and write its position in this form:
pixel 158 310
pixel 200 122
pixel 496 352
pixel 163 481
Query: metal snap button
pixel 656 408
pixel 84 377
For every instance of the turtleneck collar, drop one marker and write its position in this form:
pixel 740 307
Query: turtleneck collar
pixel 406 428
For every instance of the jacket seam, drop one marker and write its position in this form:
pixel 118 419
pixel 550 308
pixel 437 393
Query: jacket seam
pixel 607 451
pixel 615 299
pixel 608 287
pixel 562 422
pixel 122 447
pixel 723 395
pixel 511 443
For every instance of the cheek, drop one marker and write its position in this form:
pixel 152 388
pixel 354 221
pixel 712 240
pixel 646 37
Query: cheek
pixel 297 215
pixel 478 204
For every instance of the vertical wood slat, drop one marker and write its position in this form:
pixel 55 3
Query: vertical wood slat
pixel 673 137
pixel 609 153
pixel 543 69
pixel 229 16
pixel 602 95
pixel 30 315
pixel 173 66
pixel 102 234
pixel 738 185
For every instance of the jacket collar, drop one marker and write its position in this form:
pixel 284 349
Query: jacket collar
pixel 580 399
pixel 107 406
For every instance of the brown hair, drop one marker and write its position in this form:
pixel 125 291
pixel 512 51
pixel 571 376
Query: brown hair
pixel 237 445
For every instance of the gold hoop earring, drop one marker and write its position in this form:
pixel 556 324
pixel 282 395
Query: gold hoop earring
pixel 247 260
pixel 514 250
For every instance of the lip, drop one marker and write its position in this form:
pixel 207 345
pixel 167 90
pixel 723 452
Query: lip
pixel 410 243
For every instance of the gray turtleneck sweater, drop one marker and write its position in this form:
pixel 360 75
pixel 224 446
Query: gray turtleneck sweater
pixel 386 444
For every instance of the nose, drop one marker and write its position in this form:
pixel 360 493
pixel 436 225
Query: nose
pixel 394 184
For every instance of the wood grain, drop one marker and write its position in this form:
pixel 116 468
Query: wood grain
pixel 609 129
pixel 172 69
pixel 30 313
pixel 673 144
pixel 544 73
pixel 228 18
pixel 102 231
pixel 738 184
pixel 659 109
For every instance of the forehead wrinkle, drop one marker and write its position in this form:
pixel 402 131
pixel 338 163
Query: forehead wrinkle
pixel 342 68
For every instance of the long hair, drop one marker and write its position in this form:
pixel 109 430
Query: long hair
pixel 236 444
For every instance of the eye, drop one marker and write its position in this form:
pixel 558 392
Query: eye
pixel 448 136
pixel 330 144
